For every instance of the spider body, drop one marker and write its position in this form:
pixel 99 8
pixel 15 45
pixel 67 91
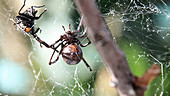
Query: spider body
pixel 25 21
pixel 70 50
pixel 72 54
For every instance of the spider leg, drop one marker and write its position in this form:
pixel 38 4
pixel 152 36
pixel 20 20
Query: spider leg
pixel 87 64
pixel 52 45
pixel 44 43
pixel 15 23
pixel 70 27
pixel 52 62
pixel 38 6
pixel 55 48
pixel 40 41
pixel 51 58
pixel 22 7
pixel 38 29
pixel 89 42
pixel 83 35
pixel 41 14
pixel 62 47
pixel 64 28
pixel 80 24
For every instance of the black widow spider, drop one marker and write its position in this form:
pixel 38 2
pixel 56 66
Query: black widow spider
pixel 70 50
pixel 25 21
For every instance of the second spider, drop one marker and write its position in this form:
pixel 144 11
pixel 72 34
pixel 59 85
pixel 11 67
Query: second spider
pixel 25 21
pixel 70 50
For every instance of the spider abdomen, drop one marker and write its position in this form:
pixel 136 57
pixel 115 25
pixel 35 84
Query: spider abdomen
pixel 72 54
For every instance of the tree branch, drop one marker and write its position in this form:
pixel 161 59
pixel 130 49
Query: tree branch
pixel 113 57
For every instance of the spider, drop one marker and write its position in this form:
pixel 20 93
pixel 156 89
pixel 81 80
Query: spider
pixel 25 21
pixel 70 50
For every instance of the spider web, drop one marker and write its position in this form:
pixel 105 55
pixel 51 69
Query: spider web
pixel 141 29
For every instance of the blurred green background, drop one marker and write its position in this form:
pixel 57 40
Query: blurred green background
pixel 140 28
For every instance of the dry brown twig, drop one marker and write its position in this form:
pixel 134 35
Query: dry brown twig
pixel 126 83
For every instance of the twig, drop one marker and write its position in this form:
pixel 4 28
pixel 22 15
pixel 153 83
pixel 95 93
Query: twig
pixel 141 83
pixel 113 57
